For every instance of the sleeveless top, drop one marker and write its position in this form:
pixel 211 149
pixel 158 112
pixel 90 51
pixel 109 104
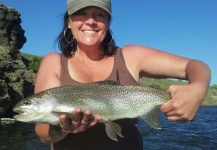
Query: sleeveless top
pixel 119 74
pixel 95 137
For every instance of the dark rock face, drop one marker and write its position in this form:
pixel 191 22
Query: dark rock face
pixel 16 82
pixel 11 33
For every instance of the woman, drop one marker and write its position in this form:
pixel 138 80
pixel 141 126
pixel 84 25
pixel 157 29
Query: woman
pixel 89 55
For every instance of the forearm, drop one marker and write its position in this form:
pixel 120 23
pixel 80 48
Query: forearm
pixel 198 74
pixel 187 98
pixel 49 134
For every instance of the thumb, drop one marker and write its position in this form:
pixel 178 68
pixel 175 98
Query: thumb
pixel 166 107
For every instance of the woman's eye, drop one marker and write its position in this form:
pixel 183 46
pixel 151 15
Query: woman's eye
pixel 80 13
pixel 100 14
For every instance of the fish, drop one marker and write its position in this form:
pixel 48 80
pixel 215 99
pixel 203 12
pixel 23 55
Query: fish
pixel 105 98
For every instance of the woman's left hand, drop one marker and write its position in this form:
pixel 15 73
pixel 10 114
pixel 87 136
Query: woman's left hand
pixel 186 99
pixel 79 122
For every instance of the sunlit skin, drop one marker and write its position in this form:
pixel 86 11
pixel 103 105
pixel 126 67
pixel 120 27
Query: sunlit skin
pixel 89 27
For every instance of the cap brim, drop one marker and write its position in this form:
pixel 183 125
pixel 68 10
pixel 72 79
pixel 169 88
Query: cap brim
pixel 72 9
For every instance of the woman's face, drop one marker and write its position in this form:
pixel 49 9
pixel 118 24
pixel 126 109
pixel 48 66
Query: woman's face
pixel 89 25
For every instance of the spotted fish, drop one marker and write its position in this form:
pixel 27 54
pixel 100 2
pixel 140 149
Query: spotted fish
pixel 107 99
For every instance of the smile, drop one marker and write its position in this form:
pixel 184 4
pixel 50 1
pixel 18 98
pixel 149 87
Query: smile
pixel 89 31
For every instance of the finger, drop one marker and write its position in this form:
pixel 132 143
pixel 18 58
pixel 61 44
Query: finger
pixel 177 118
pixel 64 122
pixel 85 120
pixel 171 113
pixel 167 107
pixel 76 119
pixel 94 120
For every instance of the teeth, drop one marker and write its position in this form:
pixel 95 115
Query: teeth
pixel 89 31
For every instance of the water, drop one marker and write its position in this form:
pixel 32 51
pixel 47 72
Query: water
pixel 201 134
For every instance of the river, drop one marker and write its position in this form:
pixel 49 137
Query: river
pixel 200 134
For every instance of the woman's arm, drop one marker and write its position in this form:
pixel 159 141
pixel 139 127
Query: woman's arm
pixel 186 99
pixel 49 77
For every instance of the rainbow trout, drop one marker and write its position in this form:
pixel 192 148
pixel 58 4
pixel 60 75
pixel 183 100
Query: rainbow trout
pixel 107 99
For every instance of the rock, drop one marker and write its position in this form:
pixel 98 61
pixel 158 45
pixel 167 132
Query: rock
pixel 12 34
pixel 16 81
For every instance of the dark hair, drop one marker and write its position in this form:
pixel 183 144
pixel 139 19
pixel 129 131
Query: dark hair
pixel 68 45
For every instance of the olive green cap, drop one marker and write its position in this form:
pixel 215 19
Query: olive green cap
pixel 75 5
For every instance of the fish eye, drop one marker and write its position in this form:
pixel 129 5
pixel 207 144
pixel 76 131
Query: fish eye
pixel 26 102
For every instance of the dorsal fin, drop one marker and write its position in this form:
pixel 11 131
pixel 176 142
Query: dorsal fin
pixel 106 82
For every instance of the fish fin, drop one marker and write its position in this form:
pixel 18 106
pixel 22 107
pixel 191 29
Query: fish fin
pixel 112 130
pixel 116 128
pixel 152 118
pixel 108 82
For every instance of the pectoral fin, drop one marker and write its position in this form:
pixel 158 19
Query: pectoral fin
pixel 112 129
pixel 152 117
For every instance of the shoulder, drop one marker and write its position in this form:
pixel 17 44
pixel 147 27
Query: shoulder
pixel 137 52
pixel 51 62
pixel 135 56
pixel 52 57
pixel 137 49
pixel 49 72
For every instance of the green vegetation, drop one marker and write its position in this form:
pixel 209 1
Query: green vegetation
pixel 210 100
pixel 33 62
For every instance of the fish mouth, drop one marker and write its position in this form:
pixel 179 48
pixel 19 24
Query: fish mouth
pixel 21 113
pixel 23 116
pixel 18 110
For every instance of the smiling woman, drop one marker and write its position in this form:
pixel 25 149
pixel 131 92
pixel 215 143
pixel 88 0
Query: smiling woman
pixel 91 23
pixel 89 55
pixel 89 26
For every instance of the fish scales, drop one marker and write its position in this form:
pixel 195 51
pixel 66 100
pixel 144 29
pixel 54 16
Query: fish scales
pixel 98 99
pixel 107 99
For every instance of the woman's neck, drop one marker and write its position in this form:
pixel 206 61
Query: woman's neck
pixel 89 53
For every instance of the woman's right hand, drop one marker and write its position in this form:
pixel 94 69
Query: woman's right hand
pixel 79 122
